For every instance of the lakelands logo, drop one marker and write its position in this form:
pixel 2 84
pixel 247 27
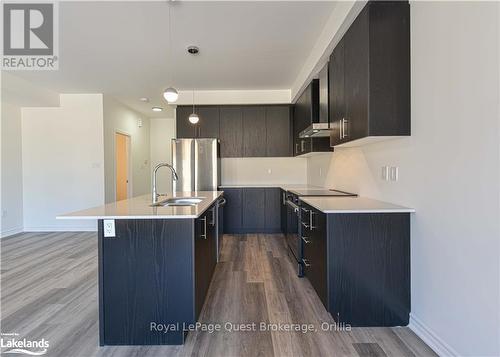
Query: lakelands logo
pixel 30 40
pixel 15 345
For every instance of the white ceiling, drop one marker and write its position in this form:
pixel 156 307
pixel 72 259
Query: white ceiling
pixel 121 48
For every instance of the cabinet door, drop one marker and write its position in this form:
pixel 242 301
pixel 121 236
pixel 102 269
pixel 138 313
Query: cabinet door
pixel 201 262
pixel 208 126
pixel 254 131
pixel 337 98
pixel 278 131
pixel 233 210
pixel 283 211
pixel 314 248
pixel 254 202
pixel 212 241
pixel 356 55
pixel 273 210
pixel 184 128
pixel 231 131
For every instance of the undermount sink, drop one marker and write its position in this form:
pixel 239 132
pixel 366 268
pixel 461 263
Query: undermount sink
pixel 179 201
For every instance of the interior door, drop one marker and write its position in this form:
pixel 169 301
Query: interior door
pixel 122 166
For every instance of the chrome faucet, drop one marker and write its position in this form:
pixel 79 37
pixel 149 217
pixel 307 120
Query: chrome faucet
pixel 153 179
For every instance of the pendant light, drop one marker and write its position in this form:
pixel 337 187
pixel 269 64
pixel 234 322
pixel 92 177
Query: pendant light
pixel 193 117
pixel 170 94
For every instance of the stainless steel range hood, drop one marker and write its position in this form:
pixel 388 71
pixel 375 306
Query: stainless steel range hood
pixel 316 130
pixel 322 127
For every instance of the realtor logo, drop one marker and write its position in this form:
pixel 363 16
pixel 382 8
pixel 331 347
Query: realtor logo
pixel 29 36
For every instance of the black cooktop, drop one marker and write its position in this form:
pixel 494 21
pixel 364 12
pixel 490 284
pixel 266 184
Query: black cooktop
pixel 321 192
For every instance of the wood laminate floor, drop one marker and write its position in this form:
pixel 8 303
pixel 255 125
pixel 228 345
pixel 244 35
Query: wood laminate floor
pixel 49 290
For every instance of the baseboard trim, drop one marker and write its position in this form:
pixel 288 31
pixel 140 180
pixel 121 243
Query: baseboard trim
pixel 430 337
pixel 61 229
pixel 11 232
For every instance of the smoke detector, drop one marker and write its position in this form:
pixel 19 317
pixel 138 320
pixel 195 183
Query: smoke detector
pixel 194 50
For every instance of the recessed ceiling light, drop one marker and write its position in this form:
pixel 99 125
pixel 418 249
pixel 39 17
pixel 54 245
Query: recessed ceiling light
pixel 144 99
pixel 157 109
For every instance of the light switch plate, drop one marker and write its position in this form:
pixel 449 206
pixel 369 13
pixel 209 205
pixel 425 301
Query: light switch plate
pixel 109 228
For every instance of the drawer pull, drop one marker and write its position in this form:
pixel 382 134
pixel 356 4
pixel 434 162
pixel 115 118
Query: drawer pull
pixel 306 262
pixel 306 240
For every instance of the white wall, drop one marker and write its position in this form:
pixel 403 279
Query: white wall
pixel 16 93
pixel 449 172
pixel 162 131
pixel 62 157
pixel 120 118
pixel 283 170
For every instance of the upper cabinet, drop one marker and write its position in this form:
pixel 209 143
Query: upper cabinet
pixel 370 76
pixel 306 112
pixel 243 131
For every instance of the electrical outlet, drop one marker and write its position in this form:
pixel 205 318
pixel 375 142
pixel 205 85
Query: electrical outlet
pixel 394 173
pixel 109 228
pixel 385 173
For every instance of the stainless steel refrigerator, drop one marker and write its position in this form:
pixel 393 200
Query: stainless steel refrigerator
pixel 197 163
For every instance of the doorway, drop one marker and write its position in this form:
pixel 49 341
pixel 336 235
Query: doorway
pixel 122 166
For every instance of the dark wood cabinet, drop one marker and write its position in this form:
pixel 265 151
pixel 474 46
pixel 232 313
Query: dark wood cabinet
pixel 283 211
pixel 336 93
pixel 252 210
pixel 208 127
pixel 278 131
pixel 184 128
pixel 254 213
pixel 243 131
pixel 373 59
pixel 355 123
pixel 254 131
pixel 359 265
pixel 314 245
pixel 272 220
pixel 205 256
pixel 231 131
pixel 233 210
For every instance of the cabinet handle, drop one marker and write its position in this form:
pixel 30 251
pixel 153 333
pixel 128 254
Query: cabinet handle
pixel 306 240
pixel 212 223
pixel 311 227
pixel 284 199
pixel 306 262
pixel 304 209
pixel 340 129
pixel 204 235
pixel 305 225
pixel 296 147
pixel 302 142
pixel 344 122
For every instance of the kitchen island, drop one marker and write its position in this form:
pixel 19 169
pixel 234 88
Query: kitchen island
pixel 155 266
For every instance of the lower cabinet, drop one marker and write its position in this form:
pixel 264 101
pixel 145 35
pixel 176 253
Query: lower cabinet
pixel 314 250
pixel 252 210
pixel 205 256
pixel 359 265
pixel 283 211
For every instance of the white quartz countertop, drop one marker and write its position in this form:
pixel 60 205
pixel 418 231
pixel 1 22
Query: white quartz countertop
pixel 285 186
pixel 330 204
pixel 140 208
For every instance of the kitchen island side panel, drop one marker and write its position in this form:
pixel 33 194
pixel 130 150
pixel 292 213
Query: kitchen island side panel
pixel 146 277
